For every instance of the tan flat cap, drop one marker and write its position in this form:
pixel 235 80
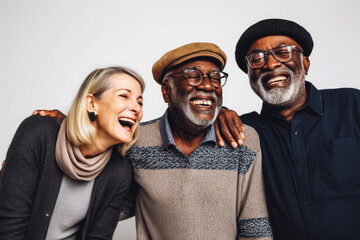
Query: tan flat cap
pixel 184 53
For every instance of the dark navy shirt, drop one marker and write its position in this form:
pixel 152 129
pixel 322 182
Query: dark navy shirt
pixel 312 166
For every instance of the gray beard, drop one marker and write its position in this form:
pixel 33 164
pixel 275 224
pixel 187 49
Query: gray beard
pixel 280 97
pixel 183 104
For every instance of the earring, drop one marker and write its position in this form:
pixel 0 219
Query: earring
pixel 92 116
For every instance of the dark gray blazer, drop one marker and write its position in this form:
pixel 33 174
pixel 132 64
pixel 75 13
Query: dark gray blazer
pixel 31 182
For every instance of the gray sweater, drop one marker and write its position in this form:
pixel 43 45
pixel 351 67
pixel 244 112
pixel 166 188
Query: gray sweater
pixel 215 193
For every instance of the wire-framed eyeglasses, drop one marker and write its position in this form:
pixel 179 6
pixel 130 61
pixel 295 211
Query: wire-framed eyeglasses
pixel 195 77
pixel 282 54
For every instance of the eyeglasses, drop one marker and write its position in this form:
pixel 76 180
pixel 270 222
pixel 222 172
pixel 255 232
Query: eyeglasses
pixel 282 54
pixel 195 77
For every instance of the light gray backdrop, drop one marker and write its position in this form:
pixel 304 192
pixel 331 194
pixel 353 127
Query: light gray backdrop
pixel 48 47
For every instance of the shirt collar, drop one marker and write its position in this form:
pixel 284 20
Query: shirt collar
pixel 168 138
pixel 314 99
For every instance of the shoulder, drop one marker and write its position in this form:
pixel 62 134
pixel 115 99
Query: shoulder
pixel 251 139
pixel 37 122
pixel 340 100
pixel 252 119
pixel 149 133
pixel 143 124
pixel 37 126
pixel 341 93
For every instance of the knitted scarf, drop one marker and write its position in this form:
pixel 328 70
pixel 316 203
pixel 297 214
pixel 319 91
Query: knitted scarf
pixel 73 163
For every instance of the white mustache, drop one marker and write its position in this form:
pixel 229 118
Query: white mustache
pixel 211 94
pixel 266 74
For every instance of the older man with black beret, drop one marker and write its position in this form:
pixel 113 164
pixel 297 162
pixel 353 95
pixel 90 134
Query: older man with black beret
pixel 189 188
pixel 310 138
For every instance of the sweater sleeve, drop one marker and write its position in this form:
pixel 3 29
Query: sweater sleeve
pixel 20 179
pixel 253 221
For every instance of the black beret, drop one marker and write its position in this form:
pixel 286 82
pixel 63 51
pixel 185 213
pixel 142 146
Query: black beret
pixel 270 27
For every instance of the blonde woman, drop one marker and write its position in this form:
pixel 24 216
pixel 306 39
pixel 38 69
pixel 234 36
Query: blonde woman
pixel 67 180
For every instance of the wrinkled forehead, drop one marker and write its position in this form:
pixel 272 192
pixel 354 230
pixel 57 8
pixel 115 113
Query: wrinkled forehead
pixel 272 41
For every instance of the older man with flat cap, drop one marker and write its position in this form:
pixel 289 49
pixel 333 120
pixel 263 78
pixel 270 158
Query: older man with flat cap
pixel 188 187
pixel 309 137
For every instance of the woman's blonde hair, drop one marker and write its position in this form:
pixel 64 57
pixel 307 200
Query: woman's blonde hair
pixel 79 128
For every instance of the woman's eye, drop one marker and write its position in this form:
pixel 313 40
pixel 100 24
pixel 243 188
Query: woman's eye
pixel 123 96
pixel 140 103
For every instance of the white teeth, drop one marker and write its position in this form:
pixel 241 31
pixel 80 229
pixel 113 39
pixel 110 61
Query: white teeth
pixel 202 102
pixel 127 120
pixel 276 79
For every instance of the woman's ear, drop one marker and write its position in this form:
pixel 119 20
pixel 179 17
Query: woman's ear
pixel 90 103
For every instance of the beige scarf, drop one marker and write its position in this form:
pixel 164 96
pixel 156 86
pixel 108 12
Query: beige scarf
pixel 73 163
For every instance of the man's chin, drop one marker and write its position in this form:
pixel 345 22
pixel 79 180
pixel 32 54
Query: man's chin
pixel 201 121
pixel 274 100
pixel 275 96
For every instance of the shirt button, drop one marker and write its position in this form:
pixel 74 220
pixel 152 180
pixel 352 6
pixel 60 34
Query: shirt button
pixel 295 133
pixel 47 215
pixel 306 203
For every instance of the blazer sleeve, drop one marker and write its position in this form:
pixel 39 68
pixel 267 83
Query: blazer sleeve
pixel 128 207
pixel 104 224
pixel 20 179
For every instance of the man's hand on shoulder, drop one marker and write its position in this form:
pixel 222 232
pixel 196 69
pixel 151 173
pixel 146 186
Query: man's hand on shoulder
pixel 229 126
pixel 51 113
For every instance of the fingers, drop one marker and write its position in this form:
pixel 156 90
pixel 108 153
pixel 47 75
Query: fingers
pixel 229 126
pixel 58 114
pixel 51 113
pixel 42 113
pixel 45 113
pixel 239 130
pixel 225 129
pixel 232 134
pixel 35 112
pixel 219 139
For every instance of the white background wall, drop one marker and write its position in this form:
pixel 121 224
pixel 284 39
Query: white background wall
pixel 47 48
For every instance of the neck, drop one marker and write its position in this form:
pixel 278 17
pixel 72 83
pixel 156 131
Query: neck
pixel 288 112
pixel 187 138
pixel 95 148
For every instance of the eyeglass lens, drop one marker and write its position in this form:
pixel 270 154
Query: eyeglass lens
pixel 281 54
pixel 195 78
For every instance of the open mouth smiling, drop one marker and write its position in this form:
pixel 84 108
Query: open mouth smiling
pixel 202 102
pixel 271 81
pixel 276 79
pixel 127 123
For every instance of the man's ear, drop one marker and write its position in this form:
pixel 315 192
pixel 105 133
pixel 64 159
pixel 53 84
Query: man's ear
pixel 90 103
pixel 306 62
pixel 166 91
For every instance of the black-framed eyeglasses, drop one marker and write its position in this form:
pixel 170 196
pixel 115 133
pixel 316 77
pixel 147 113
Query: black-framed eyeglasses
pixel 282 54
pixel 195 77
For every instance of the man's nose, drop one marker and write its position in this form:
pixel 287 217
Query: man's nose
pixel 206 84
pixel 271 63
